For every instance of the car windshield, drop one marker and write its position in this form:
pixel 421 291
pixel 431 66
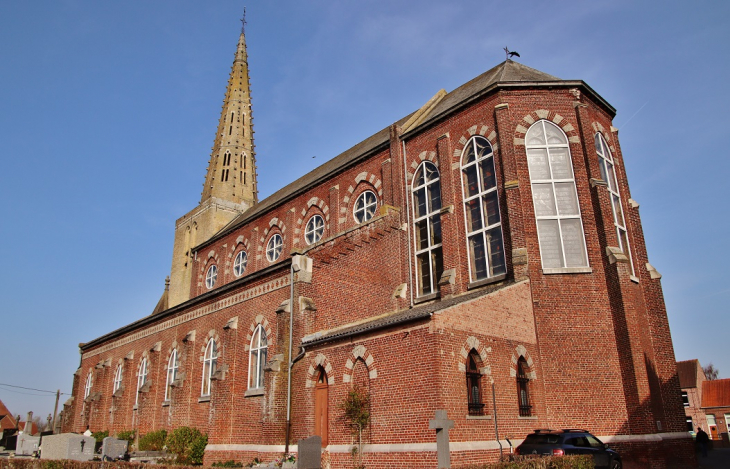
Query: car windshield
pixel 535 439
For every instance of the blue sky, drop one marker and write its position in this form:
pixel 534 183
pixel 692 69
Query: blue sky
pixel 108 112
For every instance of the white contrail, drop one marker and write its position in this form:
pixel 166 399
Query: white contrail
pixel 642 107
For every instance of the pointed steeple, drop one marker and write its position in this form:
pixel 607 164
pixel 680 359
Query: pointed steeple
pixel 232 166
pixel 230 184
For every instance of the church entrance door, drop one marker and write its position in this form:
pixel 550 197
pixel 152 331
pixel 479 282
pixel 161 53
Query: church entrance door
pixel 320 407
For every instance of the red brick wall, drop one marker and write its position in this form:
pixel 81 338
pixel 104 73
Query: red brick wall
pixel 597 343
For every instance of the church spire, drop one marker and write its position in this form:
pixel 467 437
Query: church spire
pixel 232 166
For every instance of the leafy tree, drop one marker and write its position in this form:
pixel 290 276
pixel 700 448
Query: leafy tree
pixel 356 414
pixel 711 373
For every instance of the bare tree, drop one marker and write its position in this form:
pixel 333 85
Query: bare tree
pixel 711 373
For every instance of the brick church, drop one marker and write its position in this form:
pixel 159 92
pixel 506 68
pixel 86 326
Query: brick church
pixel 482 256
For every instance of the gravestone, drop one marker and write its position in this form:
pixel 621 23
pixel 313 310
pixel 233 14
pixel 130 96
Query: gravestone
pixel 26 445
pixel 442 425
pixel 309 453
pixel 112 448
pixel 68 446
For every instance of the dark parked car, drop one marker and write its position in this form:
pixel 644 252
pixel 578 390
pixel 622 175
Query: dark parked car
pixel 568 441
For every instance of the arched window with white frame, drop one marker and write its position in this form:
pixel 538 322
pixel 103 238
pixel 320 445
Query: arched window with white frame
pixel 485 245
pixel 365 206
pixel 257 358
pixel 555 198
pixel 141 378
pixel 426 193
pixel 118 375
pixel 211 276
pixel 274 247
pixel 172 366
pixel 87 386
pixel 209 362
pixel 314 229
pixel 239 263
pixel 608 173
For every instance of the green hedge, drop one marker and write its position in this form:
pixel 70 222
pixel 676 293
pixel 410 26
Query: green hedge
pixel 68 464
pixel 532 462
pixel 153 441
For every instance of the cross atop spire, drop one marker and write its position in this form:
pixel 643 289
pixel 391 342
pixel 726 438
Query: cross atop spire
pixel 243 22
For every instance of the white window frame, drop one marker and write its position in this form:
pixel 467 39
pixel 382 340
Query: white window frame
pixel 564 267
pixel 172 366
pixel 257 358
pixel 365 206
pixel 274 247
pixel 314 230
pixel 431 217
pixel 141 378
pixel 118 376
pixel 240 263
pixel 609 174
pixel 211 276
pixel 87 386
pixel 480 195
pixel 210 358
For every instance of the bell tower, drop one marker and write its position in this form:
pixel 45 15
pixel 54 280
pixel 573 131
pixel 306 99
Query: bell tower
pixel 230 182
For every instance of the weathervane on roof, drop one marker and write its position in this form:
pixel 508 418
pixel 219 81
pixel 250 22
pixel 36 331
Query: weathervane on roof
pixel 510 53
pixel 243 21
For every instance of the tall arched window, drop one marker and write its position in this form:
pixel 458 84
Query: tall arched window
pixel 481 209
pixel 559 225
pixel 474 384
pixel 608 173
pixel 257 358
pixel 523 393
pixel 427 222
pixel 118 379
pixel 141 378
pixel 172 366
pixel 87 386
pixel 211 276
pixel 209 361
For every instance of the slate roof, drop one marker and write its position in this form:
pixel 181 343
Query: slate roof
pixel 507 74
pixel 687 371
pixel 716 393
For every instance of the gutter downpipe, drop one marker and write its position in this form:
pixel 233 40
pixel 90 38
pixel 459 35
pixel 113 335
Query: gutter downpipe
pixel 291 362
pixel 496 429
pixel 408 224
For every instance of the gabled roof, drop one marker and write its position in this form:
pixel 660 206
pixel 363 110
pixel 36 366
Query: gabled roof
pixel 716 393
pixel 7 422
pixel 4 410
pixel 508 74
pixel 687 371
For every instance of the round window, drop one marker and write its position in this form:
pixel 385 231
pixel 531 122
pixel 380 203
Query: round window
pixel 211 276
pixel 314 229
pixel 365 206
pixel 239 264
pixel 273 248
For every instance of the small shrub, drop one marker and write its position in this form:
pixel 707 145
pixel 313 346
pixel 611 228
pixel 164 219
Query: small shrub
pixel 127 435
pixel 153 441
pixel 99 436
pixel 229 463
pixel 187 444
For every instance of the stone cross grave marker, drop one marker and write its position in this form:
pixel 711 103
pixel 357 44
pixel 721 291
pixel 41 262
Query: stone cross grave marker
pixel 309 453
pixel 26 444
pixel 68 446
pixel 442 425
